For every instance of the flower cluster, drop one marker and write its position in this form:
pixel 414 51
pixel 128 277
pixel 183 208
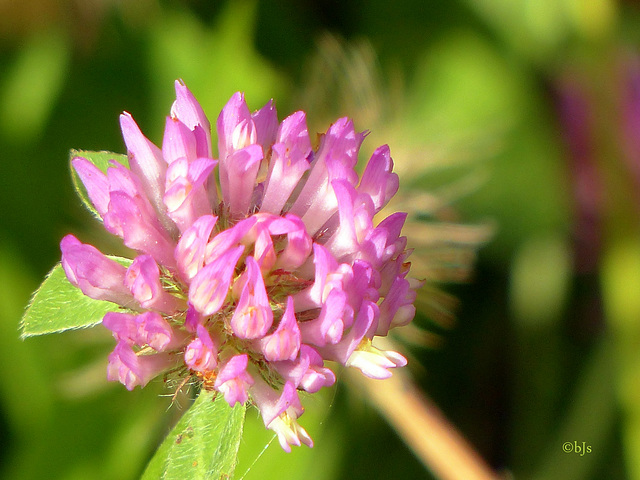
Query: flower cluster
pixel 250 278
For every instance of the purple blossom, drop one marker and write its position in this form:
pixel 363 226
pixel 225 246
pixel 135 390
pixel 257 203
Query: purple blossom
pixel 201 355
pixel 233 380
pixel 253 268
pixel 280 411
pixel 95 274
pixel 307 371
pixel 143 280
pixel 146 329
pixel 284 343
pixel 374 363
pixel 253 316
pixel 209 288
pixel 131 369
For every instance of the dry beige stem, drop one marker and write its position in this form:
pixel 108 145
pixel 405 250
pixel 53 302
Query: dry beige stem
pixel 422 426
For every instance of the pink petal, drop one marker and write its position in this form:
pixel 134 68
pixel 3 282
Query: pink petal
pixel 190 251
pixel 252 317
pixel 329 326
pixel 233 380
pixel 289 161
pixel 299 243
pixel 96 275
pixel 143 280
pixel 377 180
pixel 365 321
pixel 127 217
pixel 186 198
pixel 131 369
pixel 210 286
pixel 230 138
pixel 178 141
pixel 284 343
pixel 145 161
pixel 335 159
pixel 242 168
pixel 187 109
pixel 266 124
pixel 95 182
pixel 202 353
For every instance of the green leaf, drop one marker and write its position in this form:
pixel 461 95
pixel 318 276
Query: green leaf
pixel 100 160
pixel 57 306
pixel 203 445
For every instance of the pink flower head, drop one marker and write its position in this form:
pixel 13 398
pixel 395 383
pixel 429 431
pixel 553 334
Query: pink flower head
pixel 253 268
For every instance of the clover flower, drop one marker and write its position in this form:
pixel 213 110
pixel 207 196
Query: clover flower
pixel 251 277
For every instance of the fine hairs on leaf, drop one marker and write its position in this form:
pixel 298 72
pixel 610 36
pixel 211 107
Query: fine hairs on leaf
pixel 203 444
pixel 57 306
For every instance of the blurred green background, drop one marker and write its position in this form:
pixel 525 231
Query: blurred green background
pixel 518 115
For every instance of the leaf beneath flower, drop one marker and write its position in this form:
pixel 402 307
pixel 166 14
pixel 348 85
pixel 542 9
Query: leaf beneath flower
pixel 100 160
pixel 57 306
pixel 203 445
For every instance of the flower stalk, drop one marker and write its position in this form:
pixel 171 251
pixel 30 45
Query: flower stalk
pixel 424 429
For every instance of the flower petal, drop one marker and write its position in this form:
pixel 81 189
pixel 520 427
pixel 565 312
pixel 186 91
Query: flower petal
pixel 202 353
pixel 233 380
pixel 92 272
pixel 95 182
pixel 284 343
pixel 252 317
pixel 187 109
pixel 210 286
pixel 145 161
